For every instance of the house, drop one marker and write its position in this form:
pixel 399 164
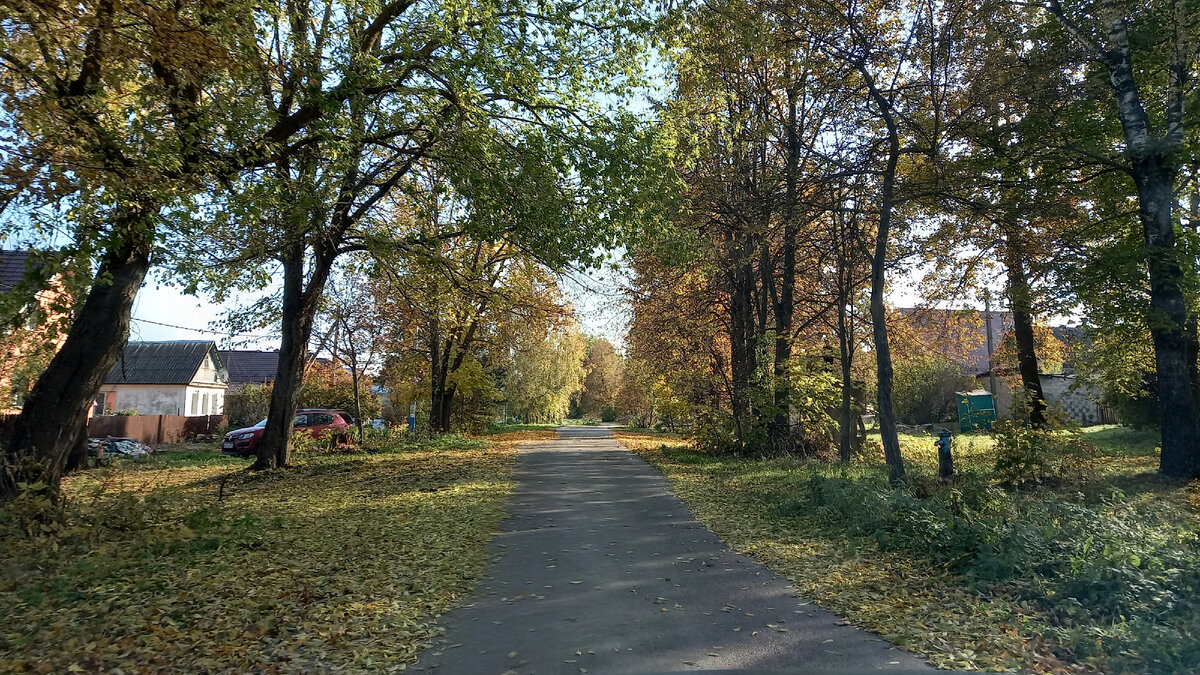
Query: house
pixel 252 367
pixel 26 349
pixel 183 377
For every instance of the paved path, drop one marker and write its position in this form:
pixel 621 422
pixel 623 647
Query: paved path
pixel 601 569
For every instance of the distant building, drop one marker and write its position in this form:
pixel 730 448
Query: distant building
pixel 1077 397
pixel 183 377
pixel 26 350
pixel 251 367
pixel 960 335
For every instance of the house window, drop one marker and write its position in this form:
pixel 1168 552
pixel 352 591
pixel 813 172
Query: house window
pixel 204 404
pixel 195 403
pixel 218 403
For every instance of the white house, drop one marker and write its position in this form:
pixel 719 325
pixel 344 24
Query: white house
pixel 184 377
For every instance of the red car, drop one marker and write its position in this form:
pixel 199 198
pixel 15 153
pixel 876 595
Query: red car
pixel 316 422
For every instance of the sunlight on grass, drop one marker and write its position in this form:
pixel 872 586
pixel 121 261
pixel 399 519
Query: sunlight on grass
pixel 187 563
pixel 1027 585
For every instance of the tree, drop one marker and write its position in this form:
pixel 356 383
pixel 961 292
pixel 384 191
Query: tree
pixel 111 117
pixel 1124 39
pixel 504 102
pixel 352 332
pixel 547 371
pixel 602 383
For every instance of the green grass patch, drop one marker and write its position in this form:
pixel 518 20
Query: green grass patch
pixel 185 562
pixel 1098 573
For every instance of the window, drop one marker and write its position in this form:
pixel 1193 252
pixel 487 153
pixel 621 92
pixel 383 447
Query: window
pixel 301 421
pixel 204 404
pixel 218 399
pixel 318 419
pixel 195 403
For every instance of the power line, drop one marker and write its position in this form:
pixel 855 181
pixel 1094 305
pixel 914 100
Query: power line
pixel 207 331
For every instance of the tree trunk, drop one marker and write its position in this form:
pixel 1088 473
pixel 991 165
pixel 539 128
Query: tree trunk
pixel 741 340
pixel 883 352
pixel 1174 348
pixel 447 401
pixel 357 400
pixel 846 346
pixel 55 412
pixel 785 306
pixel 1022 309
pixel 299 311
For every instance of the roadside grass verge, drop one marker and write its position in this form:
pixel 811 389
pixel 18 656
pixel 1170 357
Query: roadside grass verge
pixel 494 428
pixel 1096 574
pixel 184 562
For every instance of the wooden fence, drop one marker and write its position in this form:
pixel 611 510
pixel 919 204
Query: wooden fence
pixel 155 429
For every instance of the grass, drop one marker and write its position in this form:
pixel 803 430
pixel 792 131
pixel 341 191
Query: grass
pixel 184 562
pixel 1097 574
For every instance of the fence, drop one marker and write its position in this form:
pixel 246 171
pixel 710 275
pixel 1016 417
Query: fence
pixel 155 429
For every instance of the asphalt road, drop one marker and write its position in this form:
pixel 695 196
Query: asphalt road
pixel 600 568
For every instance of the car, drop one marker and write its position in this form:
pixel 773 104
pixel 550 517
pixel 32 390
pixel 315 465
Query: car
pixel 317 422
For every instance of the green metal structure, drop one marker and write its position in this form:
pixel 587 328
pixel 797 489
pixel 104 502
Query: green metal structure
pixel 976 409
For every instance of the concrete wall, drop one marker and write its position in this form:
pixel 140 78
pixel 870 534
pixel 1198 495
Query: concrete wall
pixel 1078 398
pixel 204 400
pixel 149 399
pixel 168 399
pixel 209 373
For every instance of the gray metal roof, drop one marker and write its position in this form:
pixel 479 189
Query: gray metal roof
pixel 174 362
pixel 12 268
pixel 250 367
pixel 247 366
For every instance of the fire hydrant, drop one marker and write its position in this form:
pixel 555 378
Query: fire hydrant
pixel 945 460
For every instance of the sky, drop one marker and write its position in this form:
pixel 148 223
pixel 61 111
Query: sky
pixel 163 312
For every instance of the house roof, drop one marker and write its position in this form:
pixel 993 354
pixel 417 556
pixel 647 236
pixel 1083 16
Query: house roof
pixel 252 367
pixel 12 268
pixel 174 362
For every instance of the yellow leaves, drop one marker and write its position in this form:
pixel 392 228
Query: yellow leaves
pixel 919 607
pixel 339 563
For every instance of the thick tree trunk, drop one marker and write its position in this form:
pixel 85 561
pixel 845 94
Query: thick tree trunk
pixel 1022 309
pixel 299 311
pixel 447 403
pixel 55 411
pixel 1174 348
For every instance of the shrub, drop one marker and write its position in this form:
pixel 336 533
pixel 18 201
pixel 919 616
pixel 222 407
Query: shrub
pixel 924 389
pixel 247 405
pixel 609 414
pixel 1027 456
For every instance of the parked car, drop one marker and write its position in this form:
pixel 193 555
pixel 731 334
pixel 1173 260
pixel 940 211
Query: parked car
pixel 315 422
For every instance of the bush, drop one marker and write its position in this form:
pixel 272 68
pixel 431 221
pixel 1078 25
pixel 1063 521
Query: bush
pixel 609 414
pixel 1027 456
pixel 247 405
pixel 324 386
pixel 924 389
